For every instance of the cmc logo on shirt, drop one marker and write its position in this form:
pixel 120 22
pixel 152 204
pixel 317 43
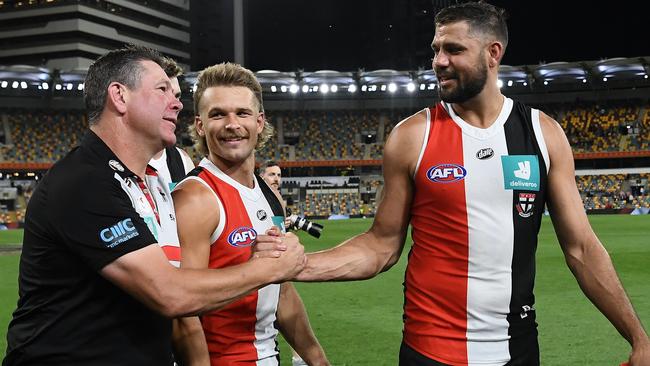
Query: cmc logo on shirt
pixel 242 237
pixel 446 173
pixel 118 233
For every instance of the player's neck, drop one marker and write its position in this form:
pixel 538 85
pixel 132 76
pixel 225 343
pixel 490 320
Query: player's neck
pixel 482 110
pixel 241 171
pixel 158 155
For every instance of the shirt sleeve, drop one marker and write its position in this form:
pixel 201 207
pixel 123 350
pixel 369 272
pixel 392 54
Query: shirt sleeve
pixel 96 220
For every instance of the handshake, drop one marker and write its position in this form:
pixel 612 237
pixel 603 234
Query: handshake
pixel 283 253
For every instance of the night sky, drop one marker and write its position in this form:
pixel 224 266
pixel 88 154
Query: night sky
pixel 346 35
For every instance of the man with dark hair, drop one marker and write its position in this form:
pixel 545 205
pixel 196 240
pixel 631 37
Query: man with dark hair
pixel 95 287
pixel 472 175
pixel 172 163
pixel 271 173
pixel 220 207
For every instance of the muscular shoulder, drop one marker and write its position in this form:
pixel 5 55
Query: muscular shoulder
pixel 405 141
pixel 194 192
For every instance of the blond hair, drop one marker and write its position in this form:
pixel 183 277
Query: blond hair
pixel 228 74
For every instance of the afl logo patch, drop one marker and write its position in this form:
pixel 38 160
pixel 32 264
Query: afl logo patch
pixel 485 154
pixel 261 215
pixel 242 237
pixel 446 173
pixel 116 165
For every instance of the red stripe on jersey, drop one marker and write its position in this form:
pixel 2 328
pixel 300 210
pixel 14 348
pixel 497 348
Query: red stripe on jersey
pixel 436 277
pixel 173 253
pixel 230 332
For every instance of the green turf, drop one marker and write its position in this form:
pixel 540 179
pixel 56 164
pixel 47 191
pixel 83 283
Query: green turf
pixel 359 323
pixel 14 236
pixel 8 294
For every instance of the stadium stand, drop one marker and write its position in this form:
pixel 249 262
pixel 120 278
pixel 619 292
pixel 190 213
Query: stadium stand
pixel 310 137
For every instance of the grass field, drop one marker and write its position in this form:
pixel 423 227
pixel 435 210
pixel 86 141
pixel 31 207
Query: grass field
pixel 359 323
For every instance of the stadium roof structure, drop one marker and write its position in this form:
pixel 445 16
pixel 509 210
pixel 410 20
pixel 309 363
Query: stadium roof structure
pixel 606 75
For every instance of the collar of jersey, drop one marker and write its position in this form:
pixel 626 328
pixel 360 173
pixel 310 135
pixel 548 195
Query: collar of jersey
pixel 105 154
pixel 482 133
pixel 250 193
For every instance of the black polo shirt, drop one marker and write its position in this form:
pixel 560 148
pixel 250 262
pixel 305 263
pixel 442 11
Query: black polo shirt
pixel 78 220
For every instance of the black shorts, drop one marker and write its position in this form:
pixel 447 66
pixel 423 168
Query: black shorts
pixel 526 357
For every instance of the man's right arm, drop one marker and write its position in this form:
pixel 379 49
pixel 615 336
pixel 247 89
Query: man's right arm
pixel 174 292
pixel 378 249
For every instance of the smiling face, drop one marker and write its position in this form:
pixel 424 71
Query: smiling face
pixel 152 106
pixel 230 120
pixel 459 62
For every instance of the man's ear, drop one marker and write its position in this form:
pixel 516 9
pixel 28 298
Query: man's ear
pixel 261 120
pixel 495 53
pixel 117 96
pixel 198 126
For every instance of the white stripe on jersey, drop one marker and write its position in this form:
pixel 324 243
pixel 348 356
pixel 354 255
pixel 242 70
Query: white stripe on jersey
pixel 427 130
pixel 489 219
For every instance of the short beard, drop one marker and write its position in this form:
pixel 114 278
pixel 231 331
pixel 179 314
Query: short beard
pixel 466 90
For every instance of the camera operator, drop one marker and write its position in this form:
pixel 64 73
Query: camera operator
pixel 272 174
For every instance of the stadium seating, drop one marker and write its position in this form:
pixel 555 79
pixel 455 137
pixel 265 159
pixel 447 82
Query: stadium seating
pixel 46 136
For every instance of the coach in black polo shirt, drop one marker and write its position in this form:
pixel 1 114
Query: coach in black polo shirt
pixel 95 288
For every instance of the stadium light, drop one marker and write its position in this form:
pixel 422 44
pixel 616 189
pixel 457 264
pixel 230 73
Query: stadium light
pixel 372 88
pixel 80 87
pixel 324 88
pixel 305 88
pixel 69 86
pixel 545 82
pixel 392 87
pixel 334 88
pixel 14 85
pixel 510 82
pixel 283 88
pixel 3 84
pixel 364 88
pixel 410 87
pixel 605 79
pixel 499 83
pixel 274 88
pixel 352 88
pixel 645 76
pixel 23 85
pixel 423 86
pixel 293 89
pixel 383 87
pixel 525 83
pixel 57 86
pixel 432 86
pixel 584 80
pixel 45 86
pixel 194 88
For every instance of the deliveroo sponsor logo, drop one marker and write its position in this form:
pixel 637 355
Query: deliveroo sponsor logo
pixel 520 172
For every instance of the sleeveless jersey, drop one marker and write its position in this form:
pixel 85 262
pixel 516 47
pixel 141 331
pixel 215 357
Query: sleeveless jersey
pixel 154 204
pixel 243 332
pixel 477 207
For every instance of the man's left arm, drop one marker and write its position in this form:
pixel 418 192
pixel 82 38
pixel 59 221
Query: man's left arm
pixel 585 255
pixel 294 326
